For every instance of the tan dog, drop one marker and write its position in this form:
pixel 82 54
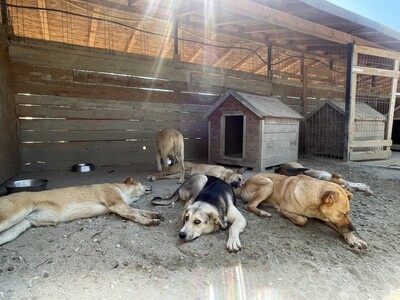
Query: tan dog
pixel 294 168
pixel 301 197
pixel 20 211
pixel 169 142
pixel 234 178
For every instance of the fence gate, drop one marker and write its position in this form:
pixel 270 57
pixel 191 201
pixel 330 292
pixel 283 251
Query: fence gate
pixel 370 101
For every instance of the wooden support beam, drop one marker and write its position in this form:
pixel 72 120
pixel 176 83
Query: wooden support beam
pixel 43 19
pixel 270 15
pixel 135 35
pixel 222 57
pixel 93 27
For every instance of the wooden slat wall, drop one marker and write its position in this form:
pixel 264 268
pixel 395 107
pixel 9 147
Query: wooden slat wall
pixel 79 106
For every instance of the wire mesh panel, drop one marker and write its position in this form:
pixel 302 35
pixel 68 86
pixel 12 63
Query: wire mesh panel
pixel 372 103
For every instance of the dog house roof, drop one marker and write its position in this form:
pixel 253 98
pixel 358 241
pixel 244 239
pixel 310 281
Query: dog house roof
pixel 362 111
pixel 262 106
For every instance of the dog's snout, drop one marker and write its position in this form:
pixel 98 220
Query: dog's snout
pixel 182 235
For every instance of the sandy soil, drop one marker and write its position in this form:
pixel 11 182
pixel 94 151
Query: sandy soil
pixel 110 258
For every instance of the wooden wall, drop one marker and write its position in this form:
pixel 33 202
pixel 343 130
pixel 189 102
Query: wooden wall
pixel 76 105
pixel 9 165
pixel 280 141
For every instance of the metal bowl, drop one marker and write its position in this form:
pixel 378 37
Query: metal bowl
pixel 82 167
pixel 26 185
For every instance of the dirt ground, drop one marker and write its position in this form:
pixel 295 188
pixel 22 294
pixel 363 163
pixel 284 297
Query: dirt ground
pixel 110 258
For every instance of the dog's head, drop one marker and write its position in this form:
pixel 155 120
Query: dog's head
pixel 133 189
pixel 234 179
pixel 198 219
pixel 335 208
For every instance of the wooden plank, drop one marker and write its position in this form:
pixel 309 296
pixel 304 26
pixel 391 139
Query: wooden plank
pixel 356 156
pixel 104 114
pixel 58 156
pixel 112 104
pixel 371 143
pixel 63 124
pixel 97 135
pixel 376 52
pixel 375 72
pixel 109 92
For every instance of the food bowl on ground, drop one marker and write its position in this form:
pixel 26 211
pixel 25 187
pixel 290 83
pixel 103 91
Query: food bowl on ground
pixel 82 167
pixel 26 185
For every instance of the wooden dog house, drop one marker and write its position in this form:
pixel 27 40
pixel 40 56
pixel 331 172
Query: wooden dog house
pixel 327 128
pixel 252 131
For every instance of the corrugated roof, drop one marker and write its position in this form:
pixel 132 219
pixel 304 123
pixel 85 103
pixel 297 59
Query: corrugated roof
pixel 262 106
pixel 362 111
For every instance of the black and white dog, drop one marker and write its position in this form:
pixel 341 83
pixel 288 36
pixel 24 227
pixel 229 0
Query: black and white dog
pixel 210 205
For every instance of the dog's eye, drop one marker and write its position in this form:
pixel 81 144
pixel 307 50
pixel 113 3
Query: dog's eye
pixel 186 218
pixel 197 222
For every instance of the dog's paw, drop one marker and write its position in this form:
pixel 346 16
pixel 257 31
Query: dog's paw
pixel 154 222
pixel 233 244
pixel 160 216
pixel 355 242
pixel 150 177
pixel 263 213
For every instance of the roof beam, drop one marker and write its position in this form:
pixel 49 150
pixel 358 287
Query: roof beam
pixel 270 15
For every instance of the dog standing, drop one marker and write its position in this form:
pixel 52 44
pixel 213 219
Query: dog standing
pixel 234 178
pixel 210 205
pixel 169 142
pixel 299 198
pixel 20 211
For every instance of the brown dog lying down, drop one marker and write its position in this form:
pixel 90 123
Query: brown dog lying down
pixel 299 198
pixel 294 168
pixel 20 211
pixel 235 179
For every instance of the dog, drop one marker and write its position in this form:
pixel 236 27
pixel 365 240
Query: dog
pixel 210 205
pixel 234 178
pixel 169 143
pixel 299 198
pixel 22 210
pixel 294 168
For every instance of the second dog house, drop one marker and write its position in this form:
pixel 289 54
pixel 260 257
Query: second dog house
pixel 252 131
pixel 326 128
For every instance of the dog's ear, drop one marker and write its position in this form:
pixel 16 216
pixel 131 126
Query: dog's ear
pixel 241 170
pixel 184 216
pixel 329 197
pixel 130 181
pixel 349 195
pixel 217 220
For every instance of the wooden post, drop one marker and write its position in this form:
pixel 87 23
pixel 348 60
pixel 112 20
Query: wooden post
pixel 389 122
pixel 176 56
pixel 4 16
pixel 269 60
pixel 351 85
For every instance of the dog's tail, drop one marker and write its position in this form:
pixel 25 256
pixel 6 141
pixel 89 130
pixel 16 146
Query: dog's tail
pixel 166 201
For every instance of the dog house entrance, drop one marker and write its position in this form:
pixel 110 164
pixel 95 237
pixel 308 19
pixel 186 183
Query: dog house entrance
pixel 233 146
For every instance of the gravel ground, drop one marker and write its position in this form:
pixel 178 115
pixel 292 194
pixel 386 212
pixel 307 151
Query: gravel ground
pixel 110 258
